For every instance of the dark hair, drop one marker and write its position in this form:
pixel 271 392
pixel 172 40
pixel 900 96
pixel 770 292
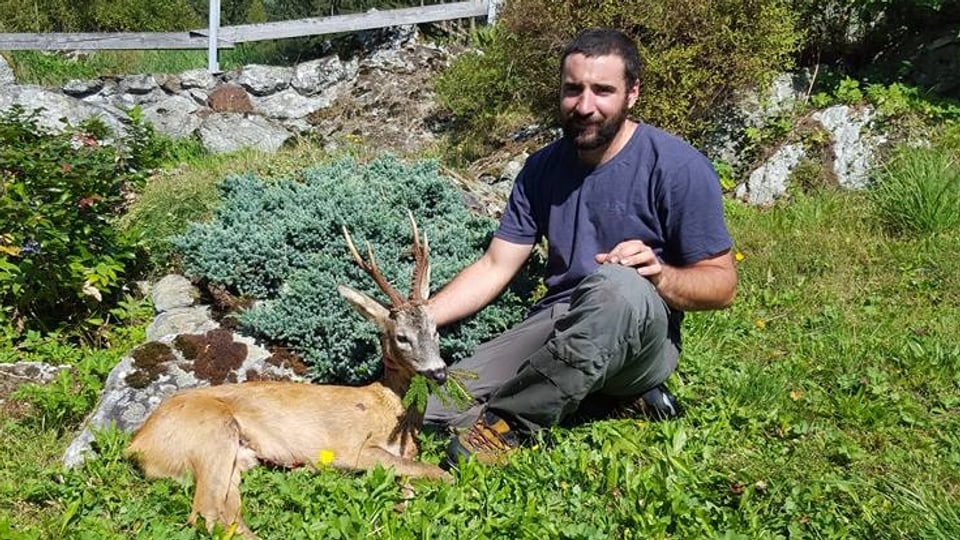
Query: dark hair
pixel 603 41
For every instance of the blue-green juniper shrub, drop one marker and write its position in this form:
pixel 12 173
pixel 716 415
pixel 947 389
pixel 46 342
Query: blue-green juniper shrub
pixel 281 243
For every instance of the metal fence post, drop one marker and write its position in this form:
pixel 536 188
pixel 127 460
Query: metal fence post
pixel 493 9
pixel 213 38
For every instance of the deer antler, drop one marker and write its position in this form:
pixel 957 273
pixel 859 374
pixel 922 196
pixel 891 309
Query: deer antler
pixel 395 299
pixel 421 269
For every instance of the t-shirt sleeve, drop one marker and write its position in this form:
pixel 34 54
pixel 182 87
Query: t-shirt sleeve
pixel 518 224
pixel 692 214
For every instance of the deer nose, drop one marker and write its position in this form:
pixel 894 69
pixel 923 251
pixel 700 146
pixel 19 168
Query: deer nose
pixel 439 375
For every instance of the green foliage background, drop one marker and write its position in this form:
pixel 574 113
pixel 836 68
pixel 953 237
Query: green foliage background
pixel 154 16
pixel 834 28
pixel 62 260
pixel 97 16
pixel 281 243
pixel 696 55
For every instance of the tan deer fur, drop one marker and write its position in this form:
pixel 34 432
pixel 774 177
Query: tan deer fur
pixel 216 433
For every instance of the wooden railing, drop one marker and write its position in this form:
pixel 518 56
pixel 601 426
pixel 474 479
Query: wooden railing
pixel 216 37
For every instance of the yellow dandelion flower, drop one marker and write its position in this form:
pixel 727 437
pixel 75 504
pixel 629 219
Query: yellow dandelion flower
pixel 739 256
pixel 326 457
pixel 760 324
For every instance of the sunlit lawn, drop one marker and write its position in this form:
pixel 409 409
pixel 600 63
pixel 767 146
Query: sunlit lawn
pixel 824 404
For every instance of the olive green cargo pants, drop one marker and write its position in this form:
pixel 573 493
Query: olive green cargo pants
pixel 612 338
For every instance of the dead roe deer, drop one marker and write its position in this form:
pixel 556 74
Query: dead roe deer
pixel 216 433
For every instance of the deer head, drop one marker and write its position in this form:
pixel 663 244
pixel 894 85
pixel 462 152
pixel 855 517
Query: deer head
pixel 408 335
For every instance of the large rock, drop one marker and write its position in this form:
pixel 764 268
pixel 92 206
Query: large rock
pixel 159 369
pixel 854 147
pixel 229 132
pixel 262 80
pixel 182 320
pixel 318 76
pixel 185 349
pixel 289 104
pixel 173 291
pixel 197 78
pixel 139 84
pixel 385 39
pixel 81 89
pixel 58 110
pixel 175 116
pixel 230 98
pixel 769 181
pixel 785 92
pixel 753 110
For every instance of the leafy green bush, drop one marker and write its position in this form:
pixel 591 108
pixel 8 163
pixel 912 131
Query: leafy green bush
pixel 891 100
pixel 697 53
pixel 48 16
pixel 835 28
pixel 61 256
pixel 918 191
pixel 97 16
pixel 483 91
pixel 143 16
pixel 949 136
pixel 282 244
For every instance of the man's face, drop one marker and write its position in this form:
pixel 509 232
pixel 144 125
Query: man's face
pixel 594 99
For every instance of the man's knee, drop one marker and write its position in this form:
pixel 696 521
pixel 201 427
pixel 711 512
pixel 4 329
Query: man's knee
pixel 618 288
pixel 630 321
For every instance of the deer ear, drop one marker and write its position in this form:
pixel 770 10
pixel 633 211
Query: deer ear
pixel 368 307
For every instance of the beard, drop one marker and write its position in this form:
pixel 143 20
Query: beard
pixel 590 135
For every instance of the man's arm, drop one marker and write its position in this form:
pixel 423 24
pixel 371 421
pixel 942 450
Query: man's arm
pixel 710 283
pixel 707 284
pixel 478 284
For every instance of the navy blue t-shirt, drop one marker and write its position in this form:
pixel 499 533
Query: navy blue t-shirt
pixel 658 189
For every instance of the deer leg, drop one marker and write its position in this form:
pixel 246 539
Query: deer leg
pixel 373 456
pixel 406 468
pixel 217 462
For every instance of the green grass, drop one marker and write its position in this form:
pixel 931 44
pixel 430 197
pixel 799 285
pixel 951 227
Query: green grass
pixel 52 69
pixel 918 191
pixel 823 404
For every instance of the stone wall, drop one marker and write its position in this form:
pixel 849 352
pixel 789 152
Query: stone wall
pixel 255 106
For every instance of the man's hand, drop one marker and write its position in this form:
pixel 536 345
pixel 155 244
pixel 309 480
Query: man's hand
pixel 706 284
pixel 635 254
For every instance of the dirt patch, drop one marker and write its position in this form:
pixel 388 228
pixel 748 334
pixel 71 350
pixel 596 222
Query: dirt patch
pixel 390 107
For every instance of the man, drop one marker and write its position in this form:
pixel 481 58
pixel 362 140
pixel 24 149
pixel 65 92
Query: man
pixel 633 219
